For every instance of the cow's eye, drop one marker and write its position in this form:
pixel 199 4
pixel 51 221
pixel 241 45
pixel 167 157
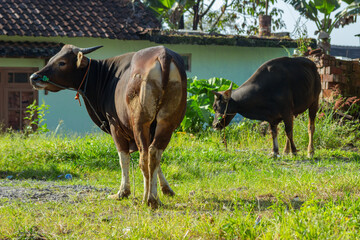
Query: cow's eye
pixel 61 64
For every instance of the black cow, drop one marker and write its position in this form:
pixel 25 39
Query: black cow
pixel 139 98
pixel 279 90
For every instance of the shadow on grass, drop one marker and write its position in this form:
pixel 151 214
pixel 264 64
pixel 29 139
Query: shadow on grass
pixel 222 205
pixel 52 173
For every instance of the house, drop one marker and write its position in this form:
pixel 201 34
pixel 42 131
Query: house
pixel 352 52
pixel 33 31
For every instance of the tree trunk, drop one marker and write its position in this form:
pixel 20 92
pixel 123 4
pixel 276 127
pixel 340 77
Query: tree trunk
pixel 264 25
pixel 181 22
pixel 196 15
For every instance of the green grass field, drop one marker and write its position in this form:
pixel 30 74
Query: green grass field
pixel 241 193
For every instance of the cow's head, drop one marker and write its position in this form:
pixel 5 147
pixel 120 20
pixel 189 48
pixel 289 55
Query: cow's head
pixel 221 107
pixel 64 70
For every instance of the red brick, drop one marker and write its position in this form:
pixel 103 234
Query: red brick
pixel 333 70
pixel 356 66
pixel 328 78
pixel 356 83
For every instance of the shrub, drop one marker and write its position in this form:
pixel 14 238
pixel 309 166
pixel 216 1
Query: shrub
pixel 36 118
pixel 199 112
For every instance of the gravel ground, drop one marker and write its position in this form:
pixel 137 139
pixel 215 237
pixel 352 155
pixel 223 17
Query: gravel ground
pixel 44 191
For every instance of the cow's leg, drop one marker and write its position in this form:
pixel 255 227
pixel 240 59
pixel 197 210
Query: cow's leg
pixel 289 121
pixel 165 187
pixel 287 146
pixel 161 140
pixel 122 146
pixel 124 190
pixel 142 138
pixel 274 132
pixel 154 165
pixel 311 127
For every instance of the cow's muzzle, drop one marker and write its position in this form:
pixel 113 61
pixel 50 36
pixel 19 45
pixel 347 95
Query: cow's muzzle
pixel 217 125
pixel 37 81
pixel 35 77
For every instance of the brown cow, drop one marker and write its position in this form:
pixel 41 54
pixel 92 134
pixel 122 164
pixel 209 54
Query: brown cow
pixel 139 98
pixel 280 89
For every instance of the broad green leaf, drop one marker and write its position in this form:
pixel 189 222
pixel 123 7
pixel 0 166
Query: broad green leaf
pixel 326 6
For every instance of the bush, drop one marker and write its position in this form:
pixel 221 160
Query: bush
pixel 199 112
pixel 36 118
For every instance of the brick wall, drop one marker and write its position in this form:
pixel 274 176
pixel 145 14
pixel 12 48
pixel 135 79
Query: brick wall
pixel 343 74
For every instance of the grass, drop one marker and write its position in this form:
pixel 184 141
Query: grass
pixel 241 193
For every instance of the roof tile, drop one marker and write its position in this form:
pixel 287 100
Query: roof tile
pixel 67 18
pixel 29 49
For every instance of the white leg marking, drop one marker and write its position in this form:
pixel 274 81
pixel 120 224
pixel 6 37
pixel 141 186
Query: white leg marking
pixel 153 191
pixel 276 144
pixel 276 147
pixel 153 186
pixel 124 159
pixel 146 188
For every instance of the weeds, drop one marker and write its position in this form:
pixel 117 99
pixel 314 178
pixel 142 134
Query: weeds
pixel 241 193
pixel 36 118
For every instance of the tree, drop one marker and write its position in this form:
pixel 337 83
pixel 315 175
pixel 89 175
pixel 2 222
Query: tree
pixel 233 16
pixel 238 17
pixel 250 11
pixel 170 11
pixel 320 12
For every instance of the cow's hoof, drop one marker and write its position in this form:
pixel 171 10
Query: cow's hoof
pixel 120 195
pixel 154 203
pixel 167 191
pixel 286 151
pixel 274 155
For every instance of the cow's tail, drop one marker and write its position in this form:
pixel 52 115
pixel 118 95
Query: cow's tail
pixel 174 84
pixel 165 61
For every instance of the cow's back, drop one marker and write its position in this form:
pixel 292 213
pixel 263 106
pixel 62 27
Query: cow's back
pixel 284 81
pixel 157 85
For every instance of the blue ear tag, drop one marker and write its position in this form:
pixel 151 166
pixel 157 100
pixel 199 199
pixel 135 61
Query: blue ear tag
pixel 45 78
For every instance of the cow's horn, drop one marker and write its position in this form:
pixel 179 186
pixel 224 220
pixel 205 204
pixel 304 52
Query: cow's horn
pixel 89 50
pixel 231 85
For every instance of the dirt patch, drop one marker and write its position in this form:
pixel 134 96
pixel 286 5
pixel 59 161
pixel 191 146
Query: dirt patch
pixel 45 191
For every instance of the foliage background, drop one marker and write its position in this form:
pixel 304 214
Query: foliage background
pixel 199 113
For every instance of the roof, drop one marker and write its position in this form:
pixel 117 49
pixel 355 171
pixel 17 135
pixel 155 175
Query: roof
pixel 29 49
pixel 200 38
pixel 345 51
pixel 114 19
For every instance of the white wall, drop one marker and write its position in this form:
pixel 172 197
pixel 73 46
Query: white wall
pixel 231 62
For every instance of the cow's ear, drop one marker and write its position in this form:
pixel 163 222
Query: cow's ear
pixel 216 93
pixel 81 60
pixel 227 93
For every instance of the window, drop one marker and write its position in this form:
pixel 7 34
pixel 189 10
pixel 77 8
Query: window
pixel 16 94
pixel 187 60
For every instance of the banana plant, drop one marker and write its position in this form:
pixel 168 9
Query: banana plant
pixel 170 11
pixel 320 11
